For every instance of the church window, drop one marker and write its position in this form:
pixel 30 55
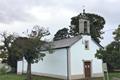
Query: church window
pixel 86 44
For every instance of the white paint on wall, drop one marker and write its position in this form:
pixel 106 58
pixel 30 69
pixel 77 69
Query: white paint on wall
pixel 79 54
pixel 19 67
pixel 55 63
pixel 97 66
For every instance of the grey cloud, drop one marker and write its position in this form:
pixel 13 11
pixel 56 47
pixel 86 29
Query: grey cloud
pixel 106 8
pixel 15 10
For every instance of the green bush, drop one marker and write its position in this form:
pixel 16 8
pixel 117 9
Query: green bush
pixel 3 70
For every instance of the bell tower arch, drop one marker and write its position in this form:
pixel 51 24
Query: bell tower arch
pixel 84 24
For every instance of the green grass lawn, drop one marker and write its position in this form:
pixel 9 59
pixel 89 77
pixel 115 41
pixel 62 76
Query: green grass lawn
pixel 114 74
pixel 23 77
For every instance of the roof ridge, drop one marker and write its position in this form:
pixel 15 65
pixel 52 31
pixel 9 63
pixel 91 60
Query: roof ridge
pixel 69 38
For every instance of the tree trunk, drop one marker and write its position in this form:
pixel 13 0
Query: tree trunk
pixel 29 71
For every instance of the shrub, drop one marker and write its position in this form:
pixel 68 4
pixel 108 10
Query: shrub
pixel 3 70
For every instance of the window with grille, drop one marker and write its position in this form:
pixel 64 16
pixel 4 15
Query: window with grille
pixel 86 44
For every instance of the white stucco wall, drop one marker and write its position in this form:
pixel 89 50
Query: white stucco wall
pixel 21 66
pixel 79 55
pixel 55 64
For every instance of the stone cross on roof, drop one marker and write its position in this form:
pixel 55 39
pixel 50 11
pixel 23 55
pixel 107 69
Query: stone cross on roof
pixel 83 15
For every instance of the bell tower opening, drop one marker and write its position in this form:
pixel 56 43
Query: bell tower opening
pixel 84 24
pixel 85 27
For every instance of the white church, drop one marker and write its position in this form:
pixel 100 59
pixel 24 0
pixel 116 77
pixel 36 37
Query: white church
pixel 72 58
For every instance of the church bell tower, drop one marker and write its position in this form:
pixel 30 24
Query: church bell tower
pixel 84 24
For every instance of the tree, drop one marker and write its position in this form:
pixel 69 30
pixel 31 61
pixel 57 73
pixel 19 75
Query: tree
pixel 96 25
pixel 6 50
pixel 117 34
pixel 61 34
pixel 111 54
pixel 30 47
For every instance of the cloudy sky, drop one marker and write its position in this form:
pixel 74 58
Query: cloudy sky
pixel 20 15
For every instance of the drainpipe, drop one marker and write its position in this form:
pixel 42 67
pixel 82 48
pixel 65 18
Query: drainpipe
pixel 68 64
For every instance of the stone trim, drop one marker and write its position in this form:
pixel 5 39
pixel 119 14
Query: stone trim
pixel 84 67
pixel 50 75
pixel 19 73
pixel 68 64
pixel 77 76
pixel 72 77
pixel 47 75
pixel 81 76
pixel 97 75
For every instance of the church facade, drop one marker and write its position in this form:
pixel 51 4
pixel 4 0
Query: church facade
pixel 72 58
